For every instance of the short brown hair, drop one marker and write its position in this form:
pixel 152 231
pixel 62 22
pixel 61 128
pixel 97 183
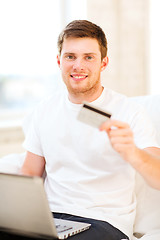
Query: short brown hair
pixel 82 29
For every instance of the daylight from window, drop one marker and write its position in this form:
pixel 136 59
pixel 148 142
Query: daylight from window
pixel 28 48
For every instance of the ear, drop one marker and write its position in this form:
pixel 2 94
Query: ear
pixel 104 63
pixel 58 60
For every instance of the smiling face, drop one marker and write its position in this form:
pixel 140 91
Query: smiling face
pixel 81 65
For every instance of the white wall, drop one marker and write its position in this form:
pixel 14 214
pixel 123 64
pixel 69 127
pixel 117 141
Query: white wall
pixel 154 47
pixel 125 23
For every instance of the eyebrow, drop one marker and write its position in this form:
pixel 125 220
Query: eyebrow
pixel 72 53
pixel 90 53
pixel 68 53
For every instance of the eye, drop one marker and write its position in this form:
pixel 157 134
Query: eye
pixel 89 57
pixel 70 57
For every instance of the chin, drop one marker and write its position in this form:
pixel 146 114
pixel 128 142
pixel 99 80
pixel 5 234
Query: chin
pixel 77 89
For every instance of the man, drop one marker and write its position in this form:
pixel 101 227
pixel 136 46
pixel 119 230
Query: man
pixel 90 173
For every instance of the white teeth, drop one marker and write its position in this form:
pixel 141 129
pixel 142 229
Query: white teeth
pixel 78 77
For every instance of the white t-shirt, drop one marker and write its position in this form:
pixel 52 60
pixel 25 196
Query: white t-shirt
pixel 85 175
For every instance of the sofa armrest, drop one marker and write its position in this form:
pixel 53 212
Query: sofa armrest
pixel 12 163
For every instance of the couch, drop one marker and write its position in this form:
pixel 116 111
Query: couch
pixel 147 222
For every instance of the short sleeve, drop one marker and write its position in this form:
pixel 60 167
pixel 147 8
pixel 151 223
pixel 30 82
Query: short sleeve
pixel 143 129
pixel 32 139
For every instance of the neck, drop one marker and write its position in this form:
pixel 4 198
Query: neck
pixel 88 96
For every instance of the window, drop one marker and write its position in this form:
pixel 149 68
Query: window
pixel 28 48
pixel 28 30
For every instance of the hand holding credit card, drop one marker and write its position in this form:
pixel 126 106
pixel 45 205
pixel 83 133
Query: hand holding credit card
pixel 92 115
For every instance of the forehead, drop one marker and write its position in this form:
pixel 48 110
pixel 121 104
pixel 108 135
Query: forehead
pixel 80 45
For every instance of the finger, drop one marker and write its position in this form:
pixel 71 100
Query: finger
pixel 121 140
pixel 121 148
pixel 120 132
pixel 109 124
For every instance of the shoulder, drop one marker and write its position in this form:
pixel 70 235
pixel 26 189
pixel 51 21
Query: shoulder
pixel 51 102
pixel 120 102
pixel 47 105
pixel 124 108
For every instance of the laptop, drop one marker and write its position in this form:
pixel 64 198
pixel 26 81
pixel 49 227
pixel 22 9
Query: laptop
pixel 24 210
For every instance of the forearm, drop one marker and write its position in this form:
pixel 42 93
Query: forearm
pixel 146 162
pixel 148 165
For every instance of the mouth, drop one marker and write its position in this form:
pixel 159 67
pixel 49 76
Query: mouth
pixel 78 77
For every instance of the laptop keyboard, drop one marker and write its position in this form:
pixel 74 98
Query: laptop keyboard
pixel 62 228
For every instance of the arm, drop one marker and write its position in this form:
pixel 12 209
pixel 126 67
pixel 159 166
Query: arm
pixel 146 161
pixel 34 165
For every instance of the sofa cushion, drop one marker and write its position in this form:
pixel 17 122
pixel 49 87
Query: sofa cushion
pixel 151 103
pixel 12 163
pixel 148 199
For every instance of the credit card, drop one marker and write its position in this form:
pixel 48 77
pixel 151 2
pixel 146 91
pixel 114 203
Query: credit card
pixel 92 115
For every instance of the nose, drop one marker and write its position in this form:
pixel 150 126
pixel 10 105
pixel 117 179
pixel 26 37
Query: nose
pixel 78 65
